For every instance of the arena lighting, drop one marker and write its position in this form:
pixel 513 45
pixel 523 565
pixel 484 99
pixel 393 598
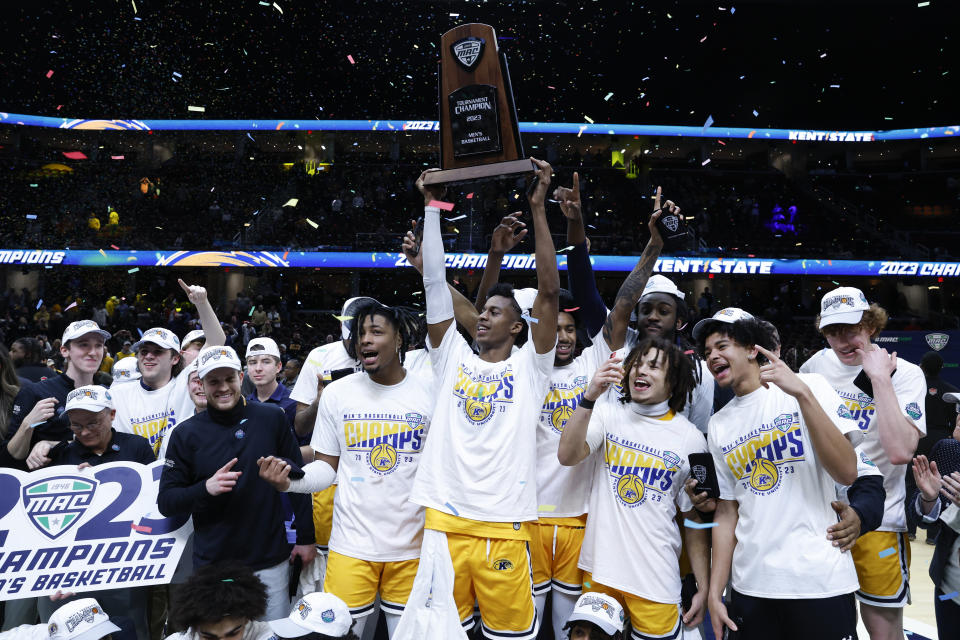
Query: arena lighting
pixel 820 135
pixel 709 265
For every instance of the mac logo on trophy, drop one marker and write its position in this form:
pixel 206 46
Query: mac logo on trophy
pixel 479 136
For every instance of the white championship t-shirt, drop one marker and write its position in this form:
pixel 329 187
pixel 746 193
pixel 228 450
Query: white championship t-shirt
pixel 378 432
pixel 319 364
pixel 481 459
pixel 911 389
pixel 563 492
pixel 418 361
pixel 152 413
pixel 765 461
pixel 632 541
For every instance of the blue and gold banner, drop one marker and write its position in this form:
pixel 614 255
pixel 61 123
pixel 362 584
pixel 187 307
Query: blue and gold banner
pixel 388 260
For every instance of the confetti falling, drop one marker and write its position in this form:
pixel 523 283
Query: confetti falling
pixel 440 204
pixel 199 109
pixel 889 551
pixel 350 58
pixel 690 524
pixel 50 73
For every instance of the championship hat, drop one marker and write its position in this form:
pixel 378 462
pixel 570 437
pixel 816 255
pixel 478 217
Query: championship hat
pixel 82 619
pixel 349 311
pixel 263 347
pixel 192 336
pixel 728 316
pixel 91 397
pixel 661 284
pixel 81 328
pixel 318 612
pixel 125 370
pixel 160 337
pixel 844 305
pixel 525 298
pixel 599 609
pixel 211 358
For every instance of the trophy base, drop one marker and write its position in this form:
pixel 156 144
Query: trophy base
pixel 480 172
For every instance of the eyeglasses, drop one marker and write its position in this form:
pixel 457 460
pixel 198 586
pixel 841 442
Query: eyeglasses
pixel 86 427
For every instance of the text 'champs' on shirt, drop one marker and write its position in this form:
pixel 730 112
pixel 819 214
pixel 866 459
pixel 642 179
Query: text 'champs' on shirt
pixel 911 389
pixel 632 541
pixel 481 459
pixel 765 461
pixel 379 433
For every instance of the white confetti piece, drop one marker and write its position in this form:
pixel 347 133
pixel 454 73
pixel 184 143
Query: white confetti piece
pixel 705 162
pixel 311 223
pixel 608 96
pixel 200 109
pixel 588 119
pixel 292 202
pixel 277 7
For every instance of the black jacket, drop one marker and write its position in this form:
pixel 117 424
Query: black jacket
pixel 56 428
pixel 944 541
pixel 246 523
pixel 866 497
pixel 123 447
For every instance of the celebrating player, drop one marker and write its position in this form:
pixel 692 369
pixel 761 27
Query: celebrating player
pixel 477 477
pixel 637 485
pixel 370 432
pixel 778 448
pixel 886 396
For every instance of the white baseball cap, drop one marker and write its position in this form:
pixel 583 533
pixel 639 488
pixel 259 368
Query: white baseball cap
pixel 125 370
pixel 81 328
pixel 728 315
pixel 82 619
pixel 600 609
pixel 952 397
pixel 318 612
pixel 844 305
pixel 91 397
pixel 159 336
pixel 349 310
pixel 217 357
pixel 661 284
pixel 196 334
pixel 263 347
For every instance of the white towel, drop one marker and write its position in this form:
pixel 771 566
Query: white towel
pixel 431 611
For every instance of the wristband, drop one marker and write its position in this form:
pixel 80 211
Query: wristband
pixel 922 499
pixel 587 404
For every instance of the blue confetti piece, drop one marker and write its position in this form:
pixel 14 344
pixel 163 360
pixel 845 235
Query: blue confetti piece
pixel 529 318
pixel 450 506
pixel 887 552
pixel 356 479
pixel 690 524
pixel 709 122
pixel 733 10
pixel 948 596
pixel 141 331
pixel 39 302
pixel 36 424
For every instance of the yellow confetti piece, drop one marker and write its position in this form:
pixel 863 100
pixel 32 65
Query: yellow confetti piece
pixel 588 119
pixel 200 109
pixel 311 223
pixel 343 318
pixel 547 507
pixel 292 202
pixel 103 253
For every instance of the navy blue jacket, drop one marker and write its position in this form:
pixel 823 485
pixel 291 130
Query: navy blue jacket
pixel 246 523
pixel 56 428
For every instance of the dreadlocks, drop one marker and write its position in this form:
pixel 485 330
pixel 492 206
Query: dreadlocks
pixel 404 320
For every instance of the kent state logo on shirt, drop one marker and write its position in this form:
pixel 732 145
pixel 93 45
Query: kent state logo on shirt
pixel 561 401
pixel 860 408
pixel 639 473
pixel 482 395
pixel 153 428
pixel 384 440
pixel 761 459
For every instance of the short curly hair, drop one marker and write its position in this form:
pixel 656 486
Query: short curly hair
pixel 218 591
pixel 874 320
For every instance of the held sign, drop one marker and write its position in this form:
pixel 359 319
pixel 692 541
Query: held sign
pixel 99 528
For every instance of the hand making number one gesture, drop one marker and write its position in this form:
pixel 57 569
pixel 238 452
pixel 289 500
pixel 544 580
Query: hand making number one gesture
pixel 777 372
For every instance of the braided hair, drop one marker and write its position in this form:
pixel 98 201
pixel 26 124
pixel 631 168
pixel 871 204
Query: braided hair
pixel 405 320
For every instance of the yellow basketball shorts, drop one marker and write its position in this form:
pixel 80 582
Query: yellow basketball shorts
pixel 555 550
pixel 649 620
pixel 323 515
pixel 882 559
pixel 495 574
pixel 357 582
